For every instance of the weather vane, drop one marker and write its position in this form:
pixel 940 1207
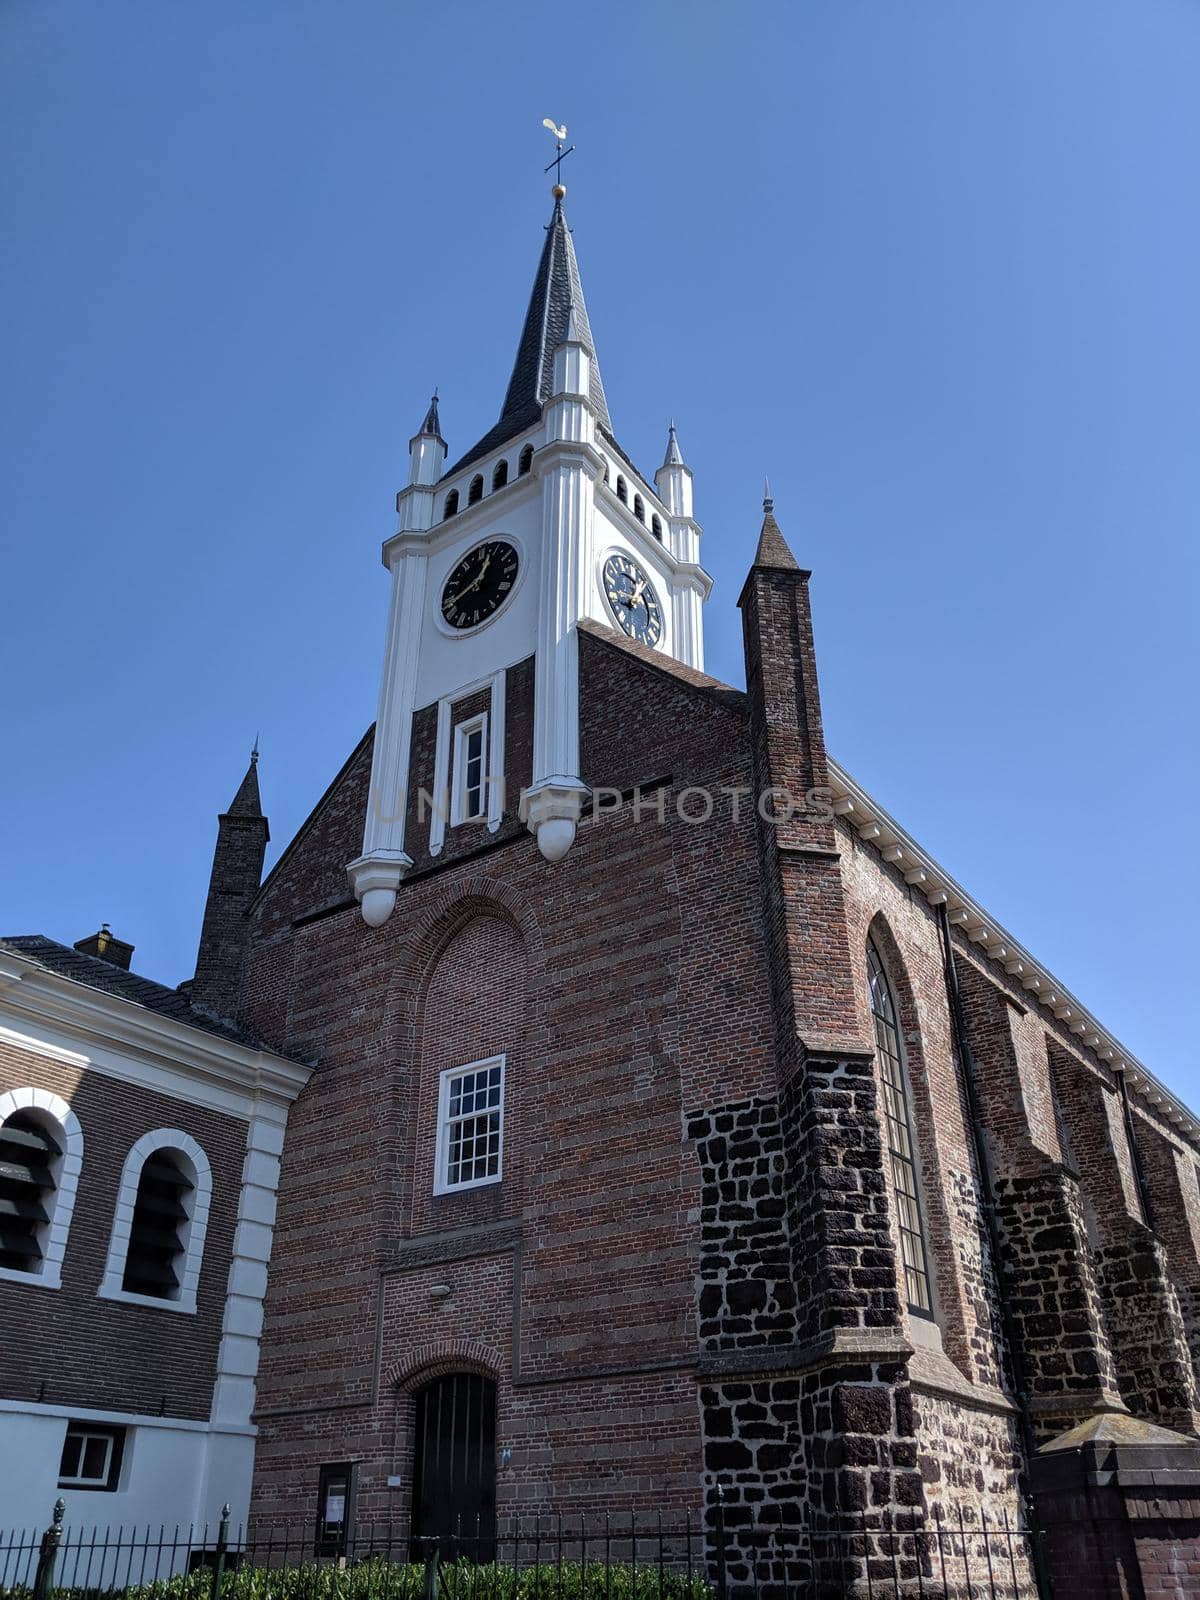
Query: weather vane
pixel 560 155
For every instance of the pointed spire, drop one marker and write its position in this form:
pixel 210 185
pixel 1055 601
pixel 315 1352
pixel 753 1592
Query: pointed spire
pixel 555 305
pixel 772 546
pixel 557 312
pixel 674 455
pixel 247 801
pixel 432 427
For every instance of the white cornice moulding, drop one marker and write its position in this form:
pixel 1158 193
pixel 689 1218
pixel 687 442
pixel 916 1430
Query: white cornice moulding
pixel 874 825
pixel 111 1035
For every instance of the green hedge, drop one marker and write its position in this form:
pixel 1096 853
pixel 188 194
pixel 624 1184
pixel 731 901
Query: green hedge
pixel 388 1580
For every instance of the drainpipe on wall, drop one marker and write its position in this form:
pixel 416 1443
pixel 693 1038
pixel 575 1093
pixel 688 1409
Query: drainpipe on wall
pixel 983 1164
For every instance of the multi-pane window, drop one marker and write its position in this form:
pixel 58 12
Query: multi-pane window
pixel 91 1457
pixel 470 1125
pixel 898 1138
pixel 470 770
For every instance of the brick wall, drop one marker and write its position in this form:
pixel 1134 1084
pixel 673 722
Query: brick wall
pixel 90 1352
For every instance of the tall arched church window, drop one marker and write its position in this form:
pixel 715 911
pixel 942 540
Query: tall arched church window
pixel 41 1154
pixel 525 461
pixel 622 491
pixel 450 509
pixel 500 475
pixel 639 510
pixel 898 1137
pixel 475 492
pixel 656 526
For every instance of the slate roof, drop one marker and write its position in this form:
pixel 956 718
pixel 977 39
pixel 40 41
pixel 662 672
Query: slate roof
pixel 772 546
pixel 96 973
pixel 247 802
pixel 557 299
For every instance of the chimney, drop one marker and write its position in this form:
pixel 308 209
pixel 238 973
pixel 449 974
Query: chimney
pixel 108 947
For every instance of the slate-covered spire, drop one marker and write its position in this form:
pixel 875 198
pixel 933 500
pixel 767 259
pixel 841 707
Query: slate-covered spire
pixel 556 310
pixel 427 449
pixel 773 549
pixel 673 480
pixel 431 428
pixel 242 835
pixel 247 802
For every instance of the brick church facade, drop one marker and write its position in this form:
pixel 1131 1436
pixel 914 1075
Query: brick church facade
pixel 675 1116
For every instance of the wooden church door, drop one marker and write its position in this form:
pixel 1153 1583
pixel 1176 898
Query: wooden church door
pixel 454 1471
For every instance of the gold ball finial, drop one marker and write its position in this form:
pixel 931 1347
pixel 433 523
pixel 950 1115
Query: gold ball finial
pixel 559 191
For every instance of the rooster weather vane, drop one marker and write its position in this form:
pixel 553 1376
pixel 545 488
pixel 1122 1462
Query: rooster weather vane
pixel 559 130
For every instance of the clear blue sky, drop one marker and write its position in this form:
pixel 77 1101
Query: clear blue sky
pixel 934 268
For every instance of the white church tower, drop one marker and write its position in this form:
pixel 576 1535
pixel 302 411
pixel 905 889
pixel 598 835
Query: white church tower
pixel 543 523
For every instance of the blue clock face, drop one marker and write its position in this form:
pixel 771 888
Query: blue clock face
pixel 633 600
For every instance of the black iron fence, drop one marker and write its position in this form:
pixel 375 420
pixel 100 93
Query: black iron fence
pixel 631 1556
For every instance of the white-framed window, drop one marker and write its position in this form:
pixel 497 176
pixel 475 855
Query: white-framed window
pixel 41 1157
pixel 469 800
pixel 470 1136
pixel 157 1242
pixel 91 1457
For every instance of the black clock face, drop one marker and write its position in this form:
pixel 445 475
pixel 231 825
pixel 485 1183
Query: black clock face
pixel 633 601
pixel 480 584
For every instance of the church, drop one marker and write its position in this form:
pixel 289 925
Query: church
pixel 681 1136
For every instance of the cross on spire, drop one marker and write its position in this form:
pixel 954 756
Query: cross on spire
pixel 560 155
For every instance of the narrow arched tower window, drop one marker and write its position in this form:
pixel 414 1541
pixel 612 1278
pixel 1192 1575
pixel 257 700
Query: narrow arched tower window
pixel 475 492
pixel 639 509
pixel 898 1136
pixel 500 475
pixel 525 462
pixel 450 509
pixel 622 491
pixel 656 526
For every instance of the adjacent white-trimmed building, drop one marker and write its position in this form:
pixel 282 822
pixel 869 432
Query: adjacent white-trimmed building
pixel 140 1139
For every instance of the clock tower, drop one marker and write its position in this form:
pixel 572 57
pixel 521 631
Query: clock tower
pixel 543 524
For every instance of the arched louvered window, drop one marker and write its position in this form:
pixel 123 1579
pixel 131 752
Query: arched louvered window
pixel 475 492
pixel 525 461
pixel 159 1231
pixel 898 1136
pixel 656 526
pixel 41 1156
pixel 622 491
pixel 606 472
pixel 450 508
pixel 500 475
pixel 30 1157
pixel 639 509
pixel 157 1242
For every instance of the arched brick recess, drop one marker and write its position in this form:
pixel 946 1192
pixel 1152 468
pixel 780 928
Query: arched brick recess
pixel 426 939
pixel 944 1265
pixel 469 1002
